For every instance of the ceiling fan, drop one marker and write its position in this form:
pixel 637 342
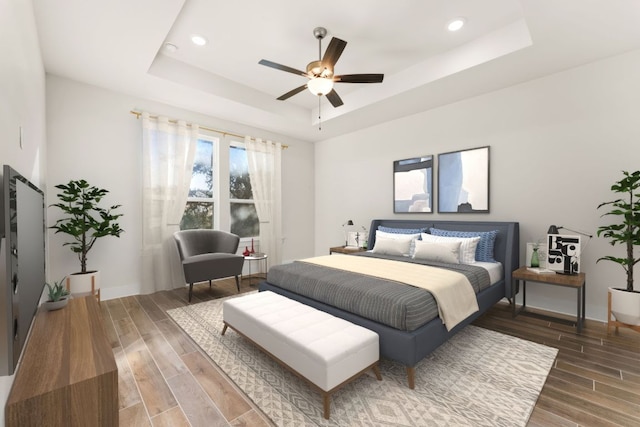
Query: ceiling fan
pixel 320 72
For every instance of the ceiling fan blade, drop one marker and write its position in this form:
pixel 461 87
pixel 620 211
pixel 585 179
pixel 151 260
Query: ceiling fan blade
pixel 282 67
pixel 359 78
pixel 333 52
pixel 292 92
pixel 334 99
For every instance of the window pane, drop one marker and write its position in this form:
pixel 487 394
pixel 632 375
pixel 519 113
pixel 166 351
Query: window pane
pixel 239 184
pixel 197 215
pixel 202 179
pixel 244 220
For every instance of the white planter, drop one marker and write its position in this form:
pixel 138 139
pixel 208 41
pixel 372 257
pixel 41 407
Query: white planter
pixel 625 306
pixel 84 283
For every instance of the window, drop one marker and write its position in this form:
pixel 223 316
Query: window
pixel 201 210
pixel 244 218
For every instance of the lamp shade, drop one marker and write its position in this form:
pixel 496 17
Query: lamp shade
pixel 320 85
pixel 553 229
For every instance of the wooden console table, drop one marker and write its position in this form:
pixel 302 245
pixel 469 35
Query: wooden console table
pixel 576 281
pixel 68 374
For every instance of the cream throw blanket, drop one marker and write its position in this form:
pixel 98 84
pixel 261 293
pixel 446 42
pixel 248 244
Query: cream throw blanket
pixel 452 291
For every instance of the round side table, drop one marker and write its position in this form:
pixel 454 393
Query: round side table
pixel 257 257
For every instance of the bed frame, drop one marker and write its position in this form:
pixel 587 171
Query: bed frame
pixel 410 347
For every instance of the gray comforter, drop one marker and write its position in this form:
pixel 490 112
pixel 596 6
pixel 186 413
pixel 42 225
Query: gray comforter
pixel 392 303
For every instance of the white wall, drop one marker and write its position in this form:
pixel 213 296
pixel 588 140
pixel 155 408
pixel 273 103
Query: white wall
pixel 557 145
pixel 92 136
pixel 22 105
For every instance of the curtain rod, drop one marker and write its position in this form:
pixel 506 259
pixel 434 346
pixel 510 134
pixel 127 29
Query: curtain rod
pixel 138 114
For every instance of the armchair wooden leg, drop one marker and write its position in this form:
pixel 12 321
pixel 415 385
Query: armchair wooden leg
pixel 237 283
pixel 190 291
pixel 209 283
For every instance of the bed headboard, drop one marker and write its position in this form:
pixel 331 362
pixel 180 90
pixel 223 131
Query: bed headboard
pixel 506 248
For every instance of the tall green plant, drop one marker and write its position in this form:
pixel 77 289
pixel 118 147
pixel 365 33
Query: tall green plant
pixel 627 230
pixel 85 221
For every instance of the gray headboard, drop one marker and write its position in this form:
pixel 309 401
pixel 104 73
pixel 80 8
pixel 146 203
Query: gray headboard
pixel 506 249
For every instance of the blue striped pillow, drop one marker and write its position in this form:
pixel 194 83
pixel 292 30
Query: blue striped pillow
pixel 484 250
pixel 402 230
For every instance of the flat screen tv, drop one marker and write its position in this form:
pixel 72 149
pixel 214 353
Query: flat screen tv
pixel 22 263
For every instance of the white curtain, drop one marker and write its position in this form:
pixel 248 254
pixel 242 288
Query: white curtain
pixel 264 161
pixel 168 154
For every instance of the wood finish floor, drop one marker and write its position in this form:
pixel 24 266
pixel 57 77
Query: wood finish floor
pixel 165 380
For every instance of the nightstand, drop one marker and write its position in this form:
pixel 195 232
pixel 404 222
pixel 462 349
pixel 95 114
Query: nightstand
pixel 576 281
pixel 346 250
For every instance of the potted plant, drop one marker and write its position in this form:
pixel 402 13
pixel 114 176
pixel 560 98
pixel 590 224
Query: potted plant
pixel 85 221
pixel 57 296
pixel 624 302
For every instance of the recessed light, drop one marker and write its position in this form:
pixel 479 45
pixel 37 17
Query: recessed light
pixel 170 47
pixel 456 24
pixel 198 40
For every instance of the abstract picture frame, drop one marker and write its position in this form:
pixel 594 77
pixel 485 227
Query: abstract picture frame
pixel 463 181
pixel 413 185
pixel 563 255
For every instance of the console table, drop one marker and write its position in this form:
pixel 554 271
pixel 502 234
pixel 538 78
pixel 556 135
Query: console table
pixel 68 374
pixel 576 281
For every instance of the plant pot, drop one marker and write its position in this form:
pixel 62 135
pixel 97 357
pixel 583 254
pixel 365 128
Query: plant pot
pixel 625 306
pixel 55 305
pixel 84 283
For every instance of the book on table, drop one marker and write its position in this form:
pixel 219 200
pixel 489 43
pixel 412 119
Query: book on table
pixel 540 270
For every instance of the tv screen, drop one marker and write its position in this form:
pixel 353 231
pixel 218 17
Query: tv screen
pixel 22 263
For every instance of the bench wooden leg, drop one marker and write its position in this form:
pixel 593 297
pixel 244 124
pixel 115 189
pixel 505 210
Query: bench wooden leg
pixel 326 402
pixel 376 371
pixel 411 377
pixel 224 329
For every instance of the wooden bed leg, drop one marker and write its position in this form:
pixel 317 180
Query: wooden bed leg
pixel 325 404
pixel 224 329
pixel 411 377
pixel 376 371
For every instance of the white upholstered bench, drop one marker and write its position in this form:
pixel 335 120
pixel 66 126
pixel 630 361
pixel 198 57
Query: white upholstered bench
pixel 325 350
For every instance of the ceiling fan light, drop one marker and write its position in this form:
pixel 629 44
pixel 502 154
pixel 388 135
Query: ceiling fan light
pixel 320 86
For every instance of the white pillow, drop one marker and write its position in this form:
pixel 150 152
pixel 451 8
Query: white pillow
pixel 400 236
pixel 467 245
pixel 448 252
pixel 387 246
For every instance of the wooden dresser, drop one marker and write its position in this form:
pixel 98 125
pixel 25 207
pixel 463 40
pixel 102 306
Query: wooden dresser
pixel 68 375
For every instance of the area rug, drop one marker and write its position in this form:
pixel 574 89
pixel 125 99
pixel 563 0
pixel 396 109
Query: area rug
pixel 477 378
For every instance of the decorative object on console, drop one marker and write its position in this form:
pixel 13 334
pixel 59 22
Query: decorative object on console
pixel 413 185
pixel 344 230
pixel 624 303
pixel 85 222
pixel 58 296
pixel 563 255
pixel 535 260
pixel 246 252
pixel 463 181
pixel 542 253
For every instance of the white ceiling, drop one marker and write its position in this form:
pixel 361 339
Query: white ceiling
pixel 119 45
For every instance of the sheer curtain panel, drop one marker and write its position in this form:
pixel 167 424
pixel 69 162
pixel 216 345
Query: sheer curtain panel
pixel 264 162
pixel 168 153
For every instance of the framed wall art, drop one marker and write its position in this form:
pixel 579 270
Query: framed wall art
pixel 463 181
pixel 413 185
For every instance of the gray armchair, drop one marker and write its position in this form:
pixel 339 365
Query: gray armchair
pixel 208 255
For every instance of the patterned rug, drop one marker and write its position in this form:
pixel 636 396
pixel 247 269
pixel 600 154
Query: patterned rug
pixel 477 378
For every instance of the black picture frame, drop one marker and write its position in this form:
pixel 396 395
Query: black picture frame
pixel 463 181
pixel 413 185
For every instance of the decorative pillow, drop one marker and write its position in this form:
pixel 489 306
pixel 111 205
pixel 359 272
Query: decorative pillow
pixel 467 245
pixel 484 251
pixel 402 236
pixel 448 252
pixel 402 230
pixel 387 246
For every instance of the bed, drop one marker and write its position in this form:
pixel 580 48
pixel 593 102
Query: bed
pixel 407 345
